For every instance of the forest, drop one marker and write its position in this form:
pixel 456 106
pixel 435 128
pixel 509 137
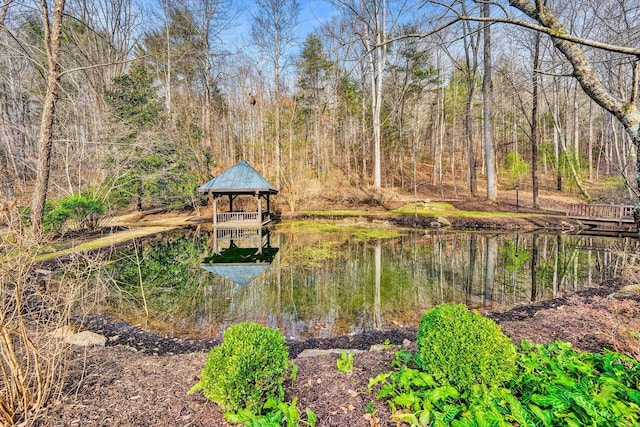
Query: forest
pixel 113 109
pixel 108 105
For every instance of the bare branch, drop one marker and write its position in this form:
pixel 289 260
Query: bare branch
pixel 558 34
pixel 634 88
pixel 3 11
pixel 106 64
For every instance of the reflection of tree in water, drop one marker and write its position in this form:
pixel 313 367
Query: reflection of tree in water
pixel 167 269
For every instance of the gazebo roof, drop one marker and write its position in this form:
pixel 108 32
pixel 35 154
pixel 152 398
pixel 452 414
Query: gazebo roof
pixel 240 178
pixel 241 274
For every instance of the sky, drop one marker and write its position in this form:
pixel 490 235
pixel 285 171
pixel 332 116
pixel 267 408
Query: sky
pixel 312 14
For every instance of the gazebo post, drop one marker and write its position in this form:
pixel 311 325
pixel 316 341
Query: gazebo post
pixel 259 207
pixel 215 211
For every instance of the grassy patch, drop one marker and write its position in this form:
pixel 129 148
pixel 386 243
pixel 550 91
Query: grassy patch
pixel 359 231
pixel 104 242
pixel 431 209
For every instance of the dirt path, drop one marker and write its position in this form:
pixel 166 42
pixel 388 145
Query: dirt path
pixel 127 227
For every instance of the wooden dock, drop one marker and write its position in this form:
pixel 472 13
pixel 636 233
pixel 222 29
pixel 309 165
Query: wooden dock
pixel 603 216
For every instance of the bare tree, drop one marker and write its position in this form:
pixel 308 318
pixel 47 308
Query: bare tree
pixel 274 24
pixel 535 134
pixel 52 31
pixel 375 20
pixel 487 94
pixel 572 47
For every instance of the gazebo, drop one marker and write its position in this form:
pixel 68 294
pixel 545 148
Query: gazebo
pixel 240 180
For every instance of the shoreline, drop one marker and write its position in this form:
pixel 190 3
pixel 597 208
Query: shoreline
pixel 120 333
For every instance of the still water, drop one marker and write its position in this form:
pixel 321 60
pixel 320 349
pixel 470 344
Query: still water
pixel 194 283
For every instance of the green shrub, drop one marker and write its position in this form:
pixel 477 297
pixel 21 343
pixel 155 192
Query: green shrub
pixel 462 348
pixel 80 211
pixel 77 212
pixel 515 168
pixel 246 369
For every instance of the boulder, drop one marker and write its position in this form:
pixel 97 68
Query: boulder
pixel 86 339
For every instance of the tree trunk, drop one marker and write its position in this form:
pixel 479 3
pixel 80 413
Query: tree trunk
pixel 535 134
pixel 487 92
pixel 52 32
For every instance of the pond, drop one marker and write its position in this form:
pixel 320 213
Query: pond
pixel 334 280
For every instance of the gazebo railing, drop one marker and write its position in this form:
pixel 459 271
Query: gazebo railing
pixel 248 217
pixel 239 233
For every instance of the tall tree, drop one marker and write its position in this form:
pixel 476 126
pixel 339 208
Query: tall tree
pixel 487 94
pixel 52 24
pixel 374 21
pixel 273 30
pixel 535 133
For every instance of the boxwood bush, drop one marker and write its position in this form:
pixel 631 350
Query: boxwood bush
pixel 246 369
pixel 463 348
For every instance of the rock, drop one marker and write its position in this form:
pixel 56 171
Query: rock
pixel 444 222
pixel 626 292
pixel 440 222
pixel 383 347
pixel 86 339
pixel 318 352
pixel 43 272
pixel 63 332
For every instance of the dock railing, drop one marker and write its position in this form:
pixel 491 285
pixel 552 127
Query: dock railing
pixel 620 214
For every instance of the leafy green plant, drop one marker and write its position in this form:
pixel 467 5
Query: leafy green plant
pixel 345 362
pixel 276 413
pixel 462 348
pixel 554 386
pixel 246 369
pixel 561 386
pixel 294 372
pixel 515 168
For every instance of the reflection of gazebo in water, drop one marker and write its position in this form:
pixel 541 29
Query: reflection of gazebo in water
pixel 240 180
pixel 248 254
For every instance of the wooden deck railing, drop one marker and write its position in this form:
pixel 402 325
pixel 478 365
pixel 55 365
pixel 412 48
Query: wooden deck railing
pixel 621 214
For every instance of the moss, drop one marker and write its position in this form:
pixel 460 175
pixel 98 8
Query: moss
pixel 437 209
pixel 627 108
pixel 554 32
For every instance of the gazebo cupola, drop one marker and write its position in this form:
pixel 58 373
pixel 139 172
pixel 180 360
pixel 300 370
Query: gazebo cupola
pixel 240 180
